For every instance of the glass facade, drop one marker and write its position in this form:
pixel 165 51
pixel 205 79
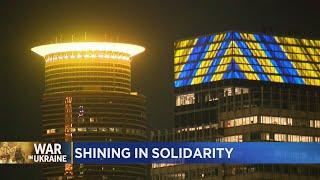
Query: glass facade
pixel 242 87
pixel 87 75
pixel 235 55
pixel 88 98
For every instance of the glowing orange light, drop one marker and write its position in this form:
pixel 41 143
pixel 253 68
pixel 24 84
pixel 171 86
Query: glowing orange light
pixel 130 49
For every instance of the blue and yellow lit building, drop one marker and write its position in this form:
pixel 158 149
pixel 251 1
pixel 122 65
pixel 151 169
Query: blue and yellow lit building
pixel 236 55
pixel 240 87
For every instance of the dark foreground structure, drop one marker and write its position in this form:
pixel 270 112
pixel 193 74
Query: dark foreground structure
pixel 88 98
pixel 237 87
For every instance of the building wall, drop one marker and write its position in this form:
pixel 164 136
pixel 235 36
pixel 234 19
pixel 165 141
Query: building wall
pixel 87 75
pixel 101 107
pixel 243 111
pixel 242 87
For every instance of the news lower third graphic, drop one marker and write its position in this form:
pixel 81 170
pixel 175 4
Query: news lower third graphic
pixel 159 152
pixel 34 152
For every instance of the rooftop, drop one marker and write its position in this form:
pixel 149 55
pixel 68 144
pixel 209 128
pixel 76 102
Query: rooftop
pixel 48 49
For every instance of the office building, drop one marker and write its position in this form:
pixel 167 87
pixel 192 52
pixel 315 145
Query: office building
pixel 88 97
pixel 244 87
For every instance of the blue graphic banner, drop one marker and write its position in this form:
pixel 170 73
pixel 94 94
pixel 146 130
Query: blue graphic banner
pixel 195 152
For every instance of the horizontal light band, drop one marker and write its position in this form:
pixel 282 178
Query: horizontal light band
pixel 130 49
pixel 51 58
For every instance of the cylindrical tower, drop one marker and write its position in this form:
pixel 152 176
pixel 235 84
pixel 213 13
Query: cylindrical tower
pixel 88 98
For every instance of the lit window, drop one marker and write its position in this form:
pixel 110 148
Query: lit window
pixel 51 131
pixel 237 91
pixel 185 99
pixel 208 126
pixel 265 136
pixel 276 120
pixel 293 138
pixel 238 122
pixel 315 123
pixel 235 138
pixel 82 129
pixel 280 137
pixel 93 119
pixel 103 129
pixel 311 123
pixel 253 120
pixel 316 139
pixel 241 121
pixel 227 91
pixel 298 138
pixel 92 129
pixel 114 130
pixel 158 165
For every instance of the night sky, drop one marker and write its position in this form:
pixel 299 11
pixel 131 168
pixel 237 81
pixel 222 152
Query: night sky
pixel 154 25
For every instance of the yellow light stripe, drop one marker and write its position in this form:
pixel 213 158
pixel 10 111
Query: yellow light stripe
pixel 294 47
pixel 284 48
pixel 179 68
pixel 176 75
pixel 306 64
pixel 214 47
pixel 184 43
pixel 247 36
pixel 205 64
pixel 267 65
pixel 47 49
pixel 230 50
pixel 313 52
pixel 222 66
pixel 217 77
pixel 263 62
pixel 244 64
pixel 197 80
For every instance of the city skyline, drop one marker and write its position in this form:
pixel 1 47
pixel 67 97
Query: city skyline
pixel 153 25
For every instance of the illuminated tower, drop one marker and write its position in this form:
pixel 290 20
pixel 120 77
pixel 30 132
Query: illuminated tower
pixel 88 98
